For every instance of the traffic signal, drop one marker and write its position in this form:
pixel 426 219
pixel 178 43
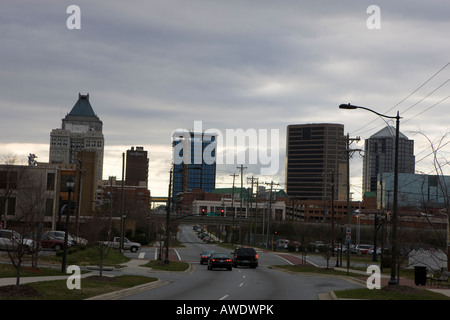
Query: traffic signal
pixel 222 212
pixel 275 232
pixel 203 211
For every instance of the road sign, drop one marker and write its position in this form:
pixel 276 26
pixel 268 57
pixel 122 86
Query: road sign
pixel 348 239
pixel 348 229
pixel 348 233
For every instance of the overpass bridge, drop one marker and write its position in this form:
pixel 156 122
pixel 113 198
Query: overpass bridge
pixel 159 199
pixel 211 220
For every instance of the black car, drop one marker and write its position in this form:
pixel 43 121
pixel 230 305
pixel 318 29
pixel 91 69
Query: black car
pixel 245 256
pixel 220 260
pixel 204 256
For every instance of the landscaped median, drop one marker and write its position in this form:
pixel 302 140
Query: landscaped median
pixel 385 293
pixel 171 266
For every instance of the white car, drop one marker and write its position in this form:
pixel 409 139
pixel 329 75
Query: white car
pixel 11 240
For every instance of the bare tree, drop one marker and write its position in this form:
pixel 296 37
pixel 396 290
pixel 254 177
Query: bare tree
pixel 97 230
pixel 8 184
pixel 30 197
pixel 31 210
pixel 439 162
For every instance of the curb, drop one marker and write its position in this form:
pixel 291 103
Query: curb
pixel 129 291
pixel 333 296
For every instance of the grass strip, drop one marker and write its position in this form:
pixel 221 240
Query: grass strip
pixel 90 287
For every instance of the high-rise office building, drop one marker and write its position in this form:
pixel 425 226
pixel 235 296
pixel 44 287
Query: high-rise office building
pixel 315 161
pixel 379 156
pixel 81 130
pixel 194 162
pixel 136 167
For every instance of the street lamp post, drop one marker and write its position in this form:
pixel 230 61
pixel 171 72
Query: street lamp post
pixel 393 280
pixel 70 187
pixel 169 199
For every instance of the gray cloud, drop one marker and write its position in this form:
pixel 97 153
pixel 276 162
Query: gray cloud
pixel 153 66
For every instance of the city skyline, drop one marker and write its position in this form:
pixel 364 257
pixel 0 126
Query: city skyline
pixel 152 67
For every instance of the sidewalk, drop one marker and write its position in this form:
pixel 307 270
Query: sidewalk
pixel 24 280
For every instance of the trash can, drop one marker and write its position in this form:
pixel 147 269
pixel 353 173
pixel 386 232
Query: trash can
pixel 420 275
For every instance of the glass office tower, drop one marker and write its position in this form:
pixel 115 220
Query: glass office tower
pixel 194 162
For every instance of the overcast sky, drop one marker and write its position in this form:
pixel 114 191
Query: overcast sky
pixel 154 66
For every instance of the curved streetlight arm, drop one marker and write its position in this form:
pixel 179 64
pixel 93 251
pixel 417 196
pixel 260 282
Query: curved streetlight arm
pixel 350 106
pixel 394 280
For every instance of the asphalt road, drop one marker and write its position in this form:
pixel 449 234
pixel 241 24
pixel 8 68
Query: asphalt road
pixel 242 283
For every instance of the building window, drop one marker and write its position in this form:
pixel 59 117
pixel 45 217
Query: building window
pixel 50 181
pixel 49 207
pixel 11 211
pixel 8 180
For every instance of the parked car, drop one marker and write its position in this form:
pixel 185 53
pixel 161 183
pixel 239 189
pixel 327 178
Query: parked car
pixel 126 244
pixel 61 234
pixel 370 251
pixel 282 244
pixel 204 256
pixel 220 260
pixel 245 256
pixel 352 248
pixel 363 248
pixel 49 241
pixel 201 235
pixel 11 240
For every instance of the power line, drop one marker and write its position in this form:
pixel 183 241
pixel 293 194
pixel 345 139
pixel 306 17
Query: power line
pixel 404 99
pixel 448 63
pixel 427 108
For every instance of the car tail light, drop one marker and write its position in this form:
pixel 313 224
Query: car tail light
pixel 256 256
pixel 228 260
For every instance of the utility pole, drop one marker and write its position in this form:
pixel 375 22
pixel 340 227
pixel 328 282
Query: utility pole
pixel 122 209
pixel 348 154
pixel 242 185
pixel 256 207
pixel 241 198
pixel 169 200
pixel 232 208
pixel 251 205
pixel 332 212
pixel 270 210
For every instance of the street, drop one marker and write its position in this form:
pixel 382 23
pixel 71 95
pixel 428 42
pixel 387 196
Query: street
pixel 242 283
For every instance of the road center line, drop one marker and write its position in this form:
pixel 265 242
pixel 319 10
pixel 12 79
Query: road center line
pixel 224 297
